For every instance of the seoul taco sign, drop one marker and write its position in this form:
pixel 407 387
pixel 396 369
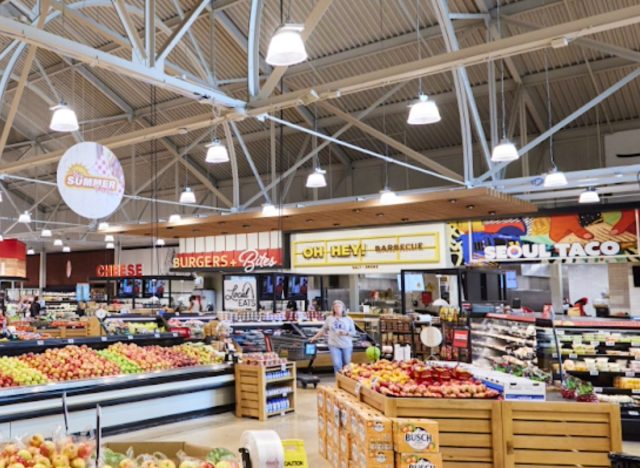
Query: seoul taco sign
pixel 517 251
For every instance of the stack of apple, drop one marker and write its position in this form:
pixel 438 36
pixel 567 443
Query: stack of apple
pixel 145 357
pixel 414 378
pixel 203 353
pixel 126 366
pixel 174 356
pixel 41 453
pixel 71 363
pixel 20 372
pixel 6 381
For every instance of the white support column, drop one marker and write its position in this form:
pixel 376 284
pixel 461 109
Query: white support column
pixel 42 267
pixel 150 32
pixel 557 287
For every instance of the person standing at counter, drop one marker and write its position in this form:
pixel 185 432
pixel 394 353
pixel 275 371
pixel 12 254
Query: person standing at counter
pixel 339 330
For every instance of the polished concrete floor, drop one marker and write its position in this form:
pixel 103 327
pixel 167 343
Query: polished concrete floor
pixel 224 430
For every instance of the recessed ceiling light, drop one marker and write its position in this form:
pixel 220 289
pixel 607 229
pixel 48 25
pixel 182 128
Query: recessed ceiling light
pixel 309 220
pixel 336 224
pixel 492 213
pixel 357 210
pixel 379 215
pixel 470 207
pixel 404 220
pixel 453 201
pixel 246 225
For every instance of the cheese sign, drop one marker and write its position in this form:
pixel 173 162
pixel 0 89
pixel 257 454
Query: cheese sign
pixel 385 250
pixel 127 269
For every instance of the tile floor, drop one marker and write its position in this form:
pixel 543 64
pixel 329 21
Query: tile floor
pixel 224 430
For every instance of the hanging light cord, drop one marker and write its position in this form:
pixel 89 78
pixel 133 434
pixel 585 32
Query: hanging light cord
pixel 417 42
pixel 502 104
pixel 549 117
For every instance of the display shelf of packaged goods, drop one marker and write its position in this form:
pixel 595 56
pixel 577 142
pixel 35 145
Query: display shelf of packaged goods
pixel 128 402
pixel 253 398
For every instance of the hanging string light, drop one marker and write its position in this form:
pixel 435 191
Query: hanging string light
pixel 424 111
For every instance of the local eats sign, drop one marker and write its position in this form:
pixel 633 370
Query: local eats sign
pixel 246 252
pixel 240 293
pixel 90 180
pixel 606 235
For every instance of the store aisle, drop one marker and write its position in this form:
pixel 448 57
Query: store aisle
pixel 224 430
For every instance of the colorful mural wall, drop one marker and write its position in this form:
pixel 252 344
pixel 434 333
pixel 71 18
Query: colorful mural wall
pixel 600 236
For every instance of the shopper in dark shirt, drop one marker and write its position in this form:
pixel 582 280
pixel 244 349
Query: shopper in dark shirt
pixel 34 308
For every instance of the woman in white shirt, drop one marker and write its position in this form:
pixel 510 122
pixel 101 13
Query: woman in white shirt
pixel 339 330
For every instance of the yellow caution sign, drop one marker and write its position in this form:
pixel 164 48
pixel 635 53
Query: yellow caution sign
pixel 295 456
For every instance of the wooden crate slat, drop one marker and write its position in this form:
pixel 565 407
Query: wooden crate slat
pixel 558 458
pixel 456 439
pixel 561 416
pixel 463 464
pixel 464 425
pixel 561 428
pixel 594 444
pixel 467 454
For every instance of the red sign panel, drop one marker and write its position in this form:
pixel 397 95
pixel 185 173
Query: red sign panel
pixel 249 259
pixel 127 269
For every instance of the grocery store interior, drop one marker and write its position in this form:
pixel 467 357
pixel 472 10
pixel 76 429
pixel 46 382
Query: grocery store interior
pixel 319 233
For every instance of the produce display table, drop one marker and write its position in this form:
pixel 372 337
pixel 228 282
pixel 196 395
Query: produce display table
pixel 499 434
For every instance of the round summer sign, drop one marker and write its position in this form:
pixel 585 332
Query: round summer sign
pixel 90 180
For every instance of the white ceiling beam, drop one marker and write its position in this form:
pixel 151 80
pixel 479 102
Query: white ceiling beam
pixel 253 48
pixel 137 48
pixel 515 45
pixel 97 58
pixel 150 32
pixel 319 9
pixel 181 30
pixel 404 149
pixel 568 119
pixel 234 165
pixel 462 85
pixel 252 165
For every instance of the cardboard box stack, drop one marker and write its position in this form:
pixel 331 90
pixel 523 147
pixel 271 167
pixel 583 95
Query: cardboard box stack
pixel 416 443
pixel 354 435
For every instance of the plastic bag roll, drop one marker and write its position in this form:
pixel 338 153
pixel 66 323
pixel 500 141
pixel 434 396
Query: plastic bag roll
pixel 265 448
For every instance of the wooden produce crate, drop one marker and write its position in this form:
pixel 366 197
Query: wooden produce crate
pixel 252 386
pixel 470 430
pixel 547 434
pixel 500 434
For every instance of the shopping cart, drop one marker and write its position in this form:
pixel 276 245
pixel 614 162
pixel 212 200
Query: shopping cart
pixel 297 349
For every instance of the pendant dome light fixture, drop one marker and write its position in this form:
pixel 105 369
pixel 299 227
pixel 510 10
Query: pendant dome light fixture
pixel 316 179
pixel 387 196
pixel 109 238
pixel 63 119
pixel 269 209
pixel 175 218
pixel 1 238
pixel 216 152
pixel 424 111
pixel 589 196
pixel 187 196
pixel 505 150
pixel 555 177
pixel 66 249
pixel 110 246
pixel 160 242
pixel 24 218
pixel 58 243
pixel 286 46
pixel 30 251
pixel 46 233
pixel 103 226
